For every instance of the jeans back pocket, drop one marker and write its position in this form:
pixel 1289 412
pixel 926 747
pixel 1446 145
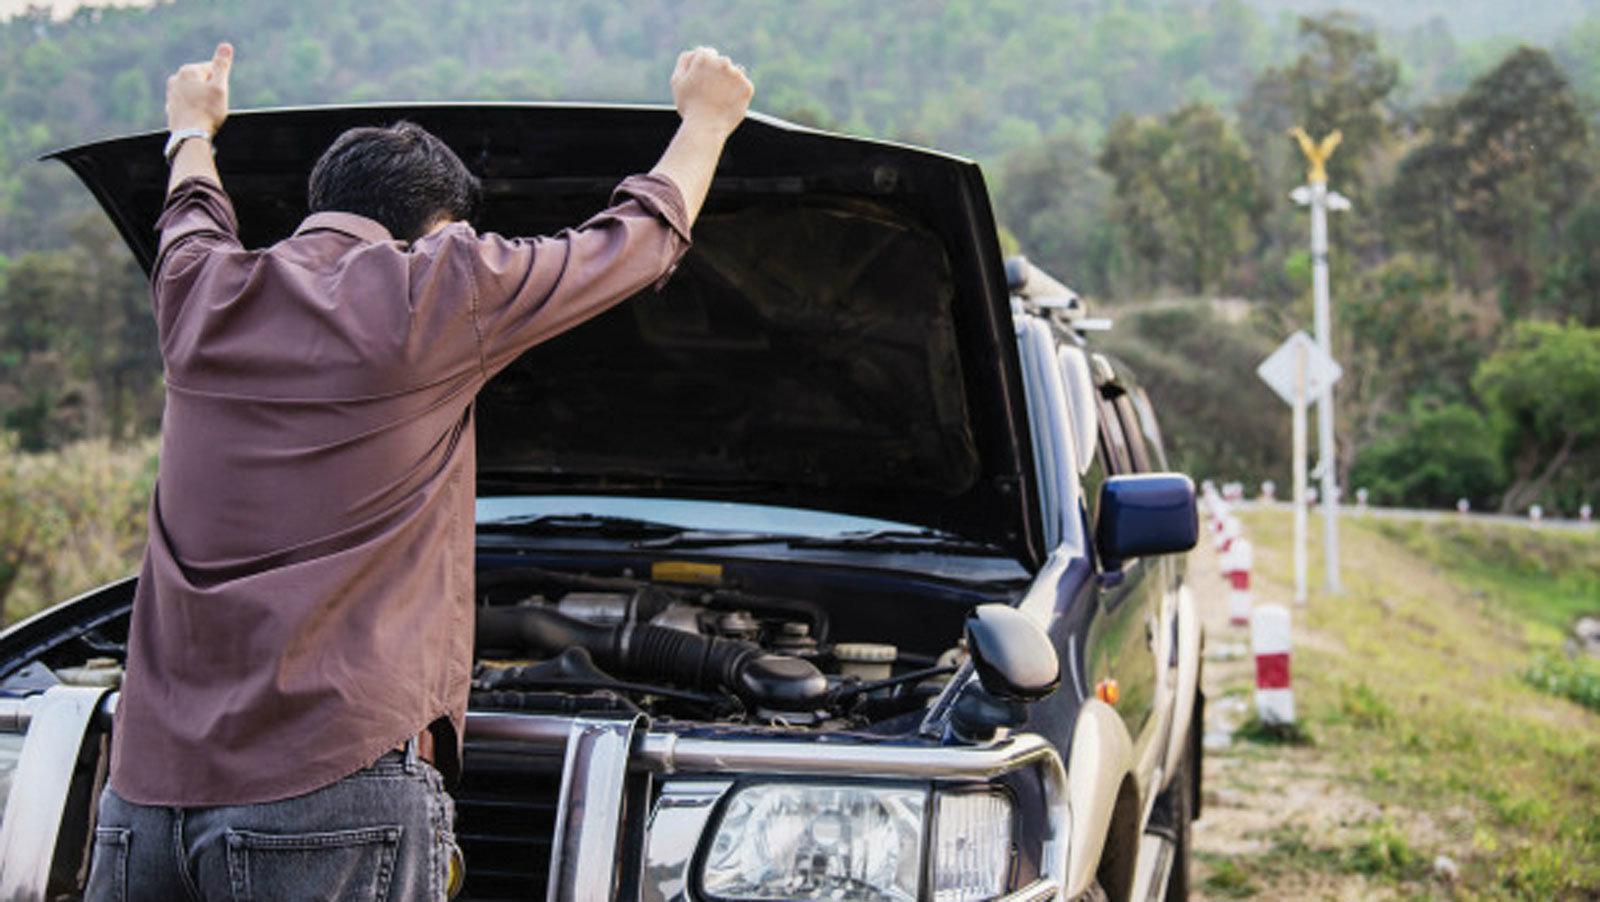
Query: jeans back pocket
pixel 108 868
pixel 330 866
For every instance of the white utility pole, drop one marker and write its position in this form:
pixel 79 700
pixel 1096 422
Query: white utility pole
pixel 1321 200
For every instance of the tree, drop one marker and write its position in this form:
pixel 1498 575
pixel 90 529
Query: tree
pixel 1185 191
pixel 1210 187
pixel 1542 385
pixel 1057 204
pixel 1430 458
pixel 1403 334
pixel 1131 154
pixel 1505 164
pixel 1571 288
pixel 1340 80
pixel 78 348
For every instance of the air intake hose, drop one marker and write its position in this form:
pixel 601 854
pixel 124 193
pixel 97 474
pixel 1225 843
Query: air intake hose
pixel 644 652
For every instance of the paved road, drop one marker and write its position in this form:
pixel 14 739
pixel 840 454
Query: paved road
pixel 1436 516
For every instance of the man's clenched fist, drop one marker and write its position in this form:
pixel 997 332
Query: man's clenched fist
pixel 197 94
pixel 709 89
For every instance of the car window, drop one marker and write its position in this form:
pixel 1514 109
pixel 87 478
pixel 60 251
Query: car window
pixel 1114 439
pixel 1142 460
pixel 1151 427
pixel 1093 479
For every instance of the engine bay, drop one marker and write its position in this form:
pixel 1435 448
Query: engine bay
pixel 764 645
pixel 557 642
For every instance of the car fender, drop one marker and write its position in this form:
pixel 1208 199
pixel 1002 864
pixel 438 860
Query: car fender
pixel 1188 682
pixel 1101 758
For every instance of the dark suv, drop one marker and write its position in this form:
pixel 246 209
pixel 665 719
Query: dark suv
pixel 832 571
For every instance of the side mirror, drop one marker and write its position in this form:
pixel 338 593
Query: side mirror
pixel 1147 514
pixel 1012 655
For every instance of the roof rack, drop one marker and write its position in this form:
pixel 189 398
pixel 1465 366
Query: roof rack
pixel 1040 293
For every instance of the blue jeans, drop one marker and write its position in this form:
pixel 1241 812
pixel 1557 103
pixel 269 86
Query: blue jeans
pixel 382 833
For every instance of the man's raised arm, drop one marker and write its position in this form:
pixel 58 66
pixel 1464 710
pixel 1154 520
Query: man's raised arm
pixel 712 95
pixel 198 217
pixel 529 289
pixel 197 105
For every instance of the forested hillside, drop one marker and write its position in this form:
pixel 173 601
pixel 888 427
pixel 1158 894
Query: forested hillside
pixel 1135 147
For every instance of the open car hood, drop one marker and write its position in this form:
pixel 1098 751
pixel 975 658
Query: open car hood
pixel 838 338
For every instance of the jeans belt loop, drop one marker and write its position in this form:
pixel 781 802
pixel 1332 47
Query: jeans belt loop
pixel 411 755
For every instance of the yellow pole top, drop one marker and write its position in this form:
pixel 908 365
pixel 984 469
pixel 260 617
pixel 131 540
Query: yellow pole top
pixel 1317 154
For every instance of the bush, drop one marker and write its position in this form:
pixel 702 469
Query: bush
pixel 1385 852
pixel 1577 679
pixel 69 520
pixel 1437 455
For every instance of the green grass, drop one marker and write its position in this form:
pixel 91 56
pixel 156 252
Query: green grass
pixel 1378 851
pixel 1577 679
pixel 1262 733
pixel 1384 852
pixel 1227 880
pixel 1544 579
pixel 1430 684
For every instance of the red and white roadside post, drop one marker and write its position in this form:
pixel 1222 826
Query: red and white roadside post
pixel 1219 529
pixel 1269 641
pixel 1237 562
pixel 1228 531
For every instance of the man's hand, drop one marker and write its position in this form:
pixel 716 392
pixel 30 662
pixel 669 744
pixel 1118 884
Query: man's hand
pixel 712 95
pixel 197 94
pixel 710 91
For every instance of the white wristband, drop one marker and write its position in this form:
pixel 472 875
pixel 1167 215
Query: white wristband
pixel 176 139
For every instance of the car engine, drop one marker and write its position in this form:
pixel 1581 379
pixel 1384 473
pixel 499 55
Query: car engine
pixel 563 643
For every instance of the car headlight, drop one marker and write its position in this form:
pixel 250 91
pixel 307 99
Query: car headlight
pixel 836 841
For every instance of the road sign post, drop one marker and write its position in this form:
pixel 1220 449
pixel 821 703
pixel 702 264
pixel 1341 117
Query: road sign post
pixel 1300 372
pixel 1299 406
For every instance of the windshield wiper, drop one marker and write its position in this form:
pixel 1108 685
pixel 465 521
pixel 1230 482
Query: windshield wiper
pixel 914 541
pixel 581 525
pixel 706 538
pixel 904 541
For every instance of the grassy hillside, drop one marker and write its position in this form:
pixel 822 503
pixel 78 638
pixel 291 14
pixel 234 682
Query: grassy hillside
pixel 1199 364
pixel 1414 688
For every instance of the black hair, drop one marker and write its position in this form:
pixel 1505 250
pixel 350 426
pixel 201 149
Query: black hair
pixel 399 175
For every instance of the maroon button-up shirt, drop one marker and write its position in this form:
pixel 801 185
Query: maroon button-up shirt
pixel 305 601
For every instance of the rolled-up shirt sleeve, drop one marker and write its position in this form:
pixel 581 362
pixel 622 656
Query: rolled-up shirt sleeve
pixel 197 220
pixel 529 289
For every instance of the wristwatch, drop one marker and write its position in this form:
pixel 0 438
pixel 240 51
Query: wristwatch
pixel 176 139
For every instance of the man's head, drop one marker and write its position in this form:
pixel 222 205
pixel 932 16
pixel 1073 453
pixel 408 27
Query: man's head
pixel 401 176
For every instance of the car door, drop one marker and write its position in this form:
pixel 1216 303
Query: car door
pixel 1124 645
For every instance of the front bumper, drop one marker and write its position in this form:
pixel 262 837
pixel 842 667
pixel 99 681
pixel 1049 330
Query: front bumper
pixel 697 771
pixel 607 818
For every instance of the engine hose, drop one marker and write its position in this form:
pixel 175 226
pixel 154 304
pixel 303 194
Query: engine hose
pixel 647 652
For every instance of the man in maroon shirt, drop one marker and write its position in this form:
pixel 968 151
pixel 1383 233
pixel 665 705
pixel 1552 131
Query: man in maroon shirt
pixel 301 644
